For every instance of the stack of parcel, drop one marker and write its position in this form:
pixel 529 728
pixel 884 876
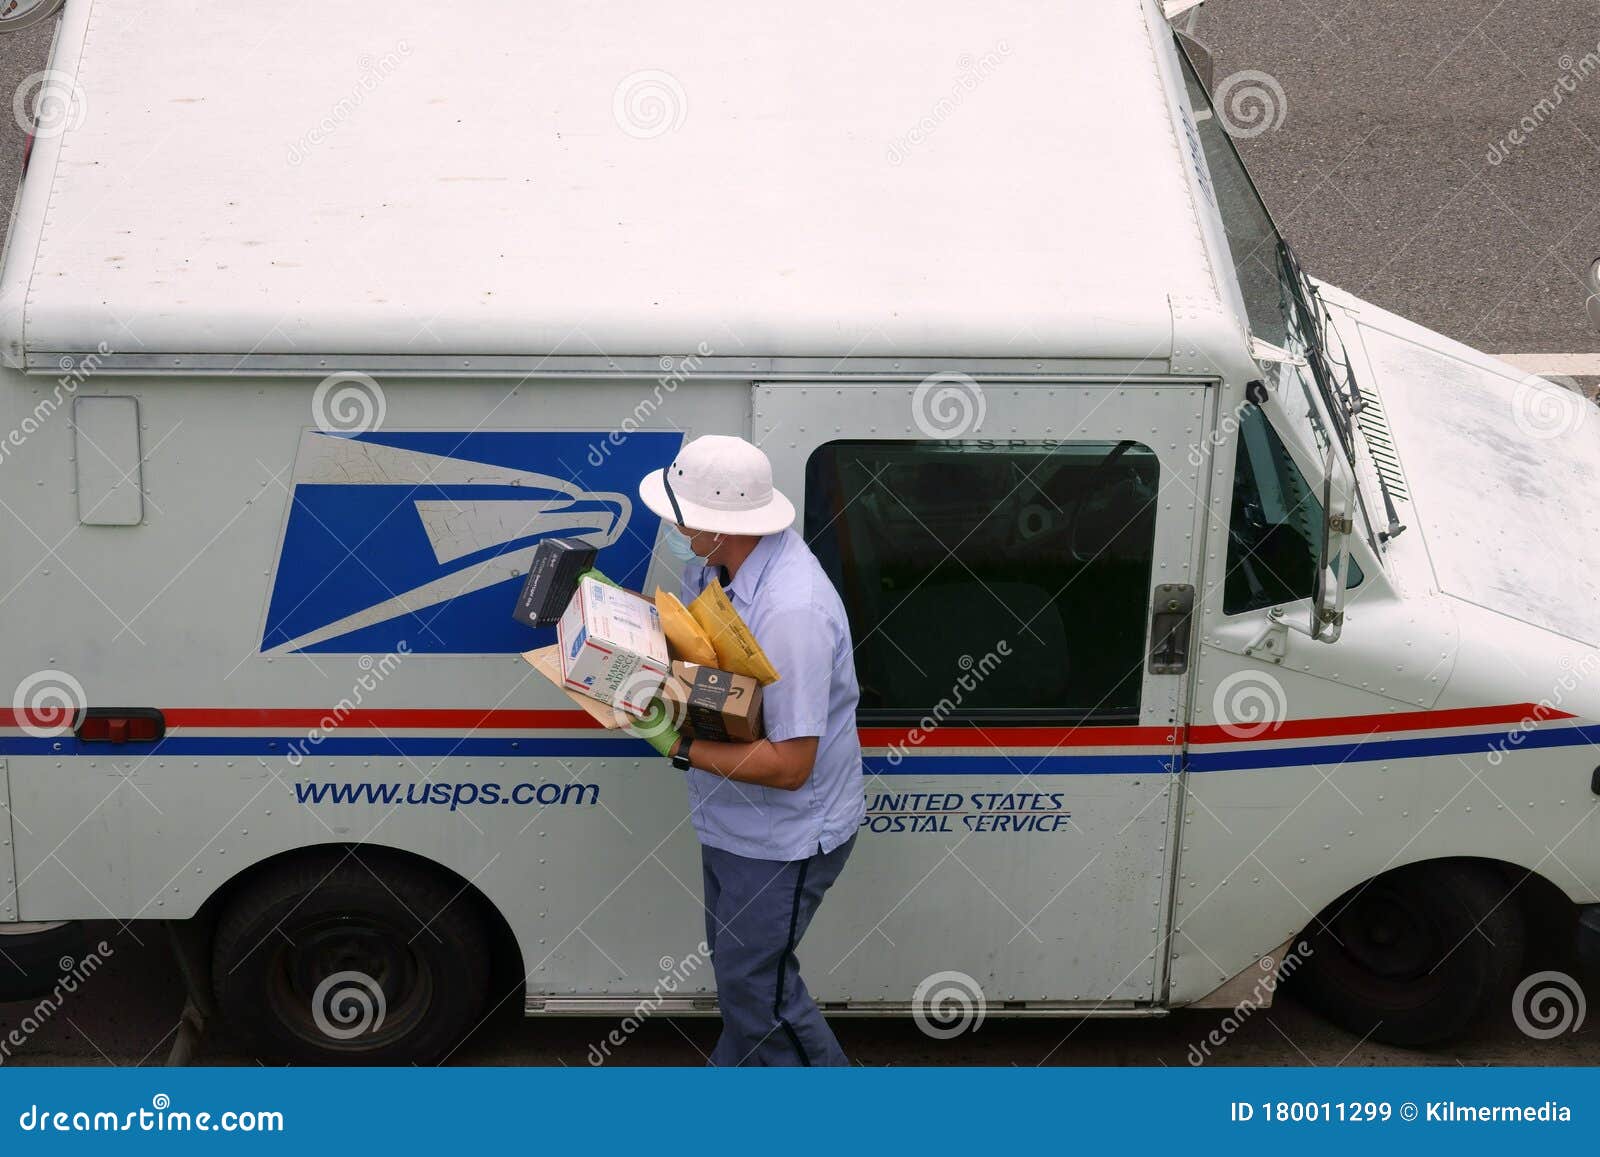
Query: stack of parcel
pixel 631 661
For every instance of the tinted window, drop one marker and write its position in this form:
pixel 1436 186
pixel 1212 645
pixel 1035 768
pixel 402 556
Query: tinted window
pixel 942 551
pixel 1275 528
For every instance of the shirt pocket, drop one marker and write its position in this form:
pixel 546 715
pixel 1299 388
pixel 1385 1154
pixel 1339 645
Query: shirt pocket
pixel 738 811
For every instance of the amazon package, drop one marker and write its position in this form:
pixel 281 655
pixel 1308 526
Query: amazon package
pixel 713 703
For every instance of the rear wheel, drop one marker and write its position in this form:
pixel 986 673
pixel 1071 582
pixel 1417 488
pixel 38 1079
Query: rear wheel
pixel 1416 956
pixel 362 959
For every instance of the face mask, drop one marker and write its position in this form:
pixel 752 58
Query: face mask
pixel 678 546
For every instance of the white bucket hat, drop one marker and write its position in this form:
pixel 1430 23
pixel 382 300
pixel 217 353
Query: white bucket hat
pixel 721 484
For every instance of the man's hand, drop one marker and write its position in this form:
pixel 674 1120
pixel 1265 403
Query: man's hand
pixel 656 728
pixel 785 765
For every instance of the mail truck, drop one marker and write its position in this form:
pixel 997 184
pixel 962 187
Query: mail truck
pixel 1212 625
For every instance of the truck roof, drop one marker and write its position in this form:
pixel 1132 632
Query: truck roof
pixel 929 177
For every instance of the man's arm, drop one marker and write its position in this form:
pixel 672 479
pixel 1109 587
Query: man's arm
pixel 799 640
pixel 785 764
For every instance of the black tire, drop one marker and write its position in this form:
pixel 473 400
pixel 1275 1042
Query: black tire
pixel 359 959
pixel 1415 957
pixel 31 963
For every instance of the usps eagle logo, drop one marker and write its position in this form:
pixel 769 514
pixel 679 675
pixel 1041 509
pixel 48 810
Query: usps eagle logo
pixel 426 536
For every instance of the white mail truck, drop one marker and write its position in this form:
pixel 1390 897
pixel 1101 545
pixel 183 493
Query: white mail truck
pixel 1212 625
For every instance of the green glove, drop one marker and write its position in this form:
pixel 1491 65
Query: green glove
pixel 656 728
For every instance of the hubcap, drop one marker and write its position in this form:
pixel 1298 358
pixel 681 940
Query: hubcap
pixel 349 984
pixel 1388 936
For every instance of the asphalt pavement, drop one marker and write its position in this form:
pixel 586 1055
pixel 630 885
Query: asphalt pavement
pixel 1393 167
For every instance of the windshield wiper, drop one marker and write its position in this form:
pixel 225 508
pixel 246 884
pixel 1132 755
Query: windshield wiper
pixel 1340 393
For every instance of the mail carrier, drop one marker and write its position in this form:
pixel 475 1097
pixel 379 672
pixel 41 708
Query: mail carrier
pixel 1211 624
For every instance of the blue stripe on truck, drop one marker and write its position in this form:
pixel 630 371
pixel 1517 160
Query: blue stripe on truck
pixel 988 763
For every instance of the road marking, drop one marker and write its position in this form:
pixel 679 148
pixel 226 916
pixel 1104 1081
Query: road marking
pixel 1572 365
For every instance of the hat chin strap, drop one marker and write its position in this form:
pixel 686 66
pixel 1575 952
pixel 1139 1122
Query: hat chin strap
pixel 666 484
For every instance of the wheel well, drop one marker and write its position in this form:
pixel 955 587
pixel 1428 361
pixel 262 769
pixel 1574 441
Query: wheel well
pixel 506 976
pixel 1550 914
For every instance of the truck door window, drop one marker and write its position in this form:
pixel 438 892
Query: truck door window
pixel 1275 527
pixel 944 550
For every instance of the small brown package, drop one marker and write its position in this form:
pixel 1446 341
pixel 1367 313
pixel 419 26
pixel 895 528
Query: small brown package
pixel 713 703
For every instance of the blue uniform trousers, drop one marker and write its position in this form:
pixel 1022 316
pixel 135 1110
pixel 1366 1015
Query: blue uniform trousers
pixel 756 913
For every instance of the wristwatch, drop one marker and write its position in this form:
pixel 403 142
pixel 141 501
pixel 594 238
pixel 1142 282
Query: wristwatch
pixel 680 758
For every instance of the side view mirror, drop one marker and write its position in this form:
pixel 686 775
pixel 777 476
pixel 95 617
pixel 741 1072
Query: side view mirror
pixel 1333 568
pixel 19 14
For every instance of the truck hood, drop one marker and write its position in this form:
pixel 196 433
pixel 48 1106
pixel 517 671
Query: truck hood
pixel 1500 468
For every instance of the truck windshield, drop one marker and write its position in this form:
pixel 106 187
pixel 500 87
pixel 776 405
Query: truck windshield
pixel 1281 302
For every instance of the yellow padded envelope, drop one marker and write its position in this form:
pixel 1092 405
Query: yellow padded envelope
pixel 737 649
pixel 685 639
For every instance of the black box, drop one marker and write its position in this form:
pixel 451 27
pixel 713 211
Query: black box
pixel 552 579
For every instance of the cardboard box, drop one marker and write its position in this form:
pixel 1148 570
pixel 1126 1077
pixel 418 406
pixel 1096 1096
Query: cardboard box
pixel 552 578
pixel 547 661
pixel 714 704
pixel 612 647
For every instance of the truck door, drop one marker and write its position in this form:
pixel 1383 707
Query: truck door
pixel 1003 550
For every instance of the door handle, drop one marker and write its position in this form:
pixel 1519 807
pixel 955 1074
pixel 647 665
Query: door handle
pixel 1171 614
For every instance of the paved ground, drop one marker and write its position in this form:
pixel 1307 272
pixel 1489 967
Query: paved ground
pixel 1380 172
pixel 129 1013
pixel 21 55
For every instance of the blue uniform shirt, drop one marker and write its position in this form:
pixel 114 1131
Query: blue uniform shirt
pixel 785 598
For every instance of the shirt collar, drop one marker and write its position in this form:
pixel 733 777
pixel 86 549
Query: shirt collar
pixel 746 582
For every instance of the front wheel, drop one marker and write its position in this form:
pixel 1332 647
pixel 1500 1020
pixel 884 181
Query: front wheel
pixel 354 959
pixel 1415 957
